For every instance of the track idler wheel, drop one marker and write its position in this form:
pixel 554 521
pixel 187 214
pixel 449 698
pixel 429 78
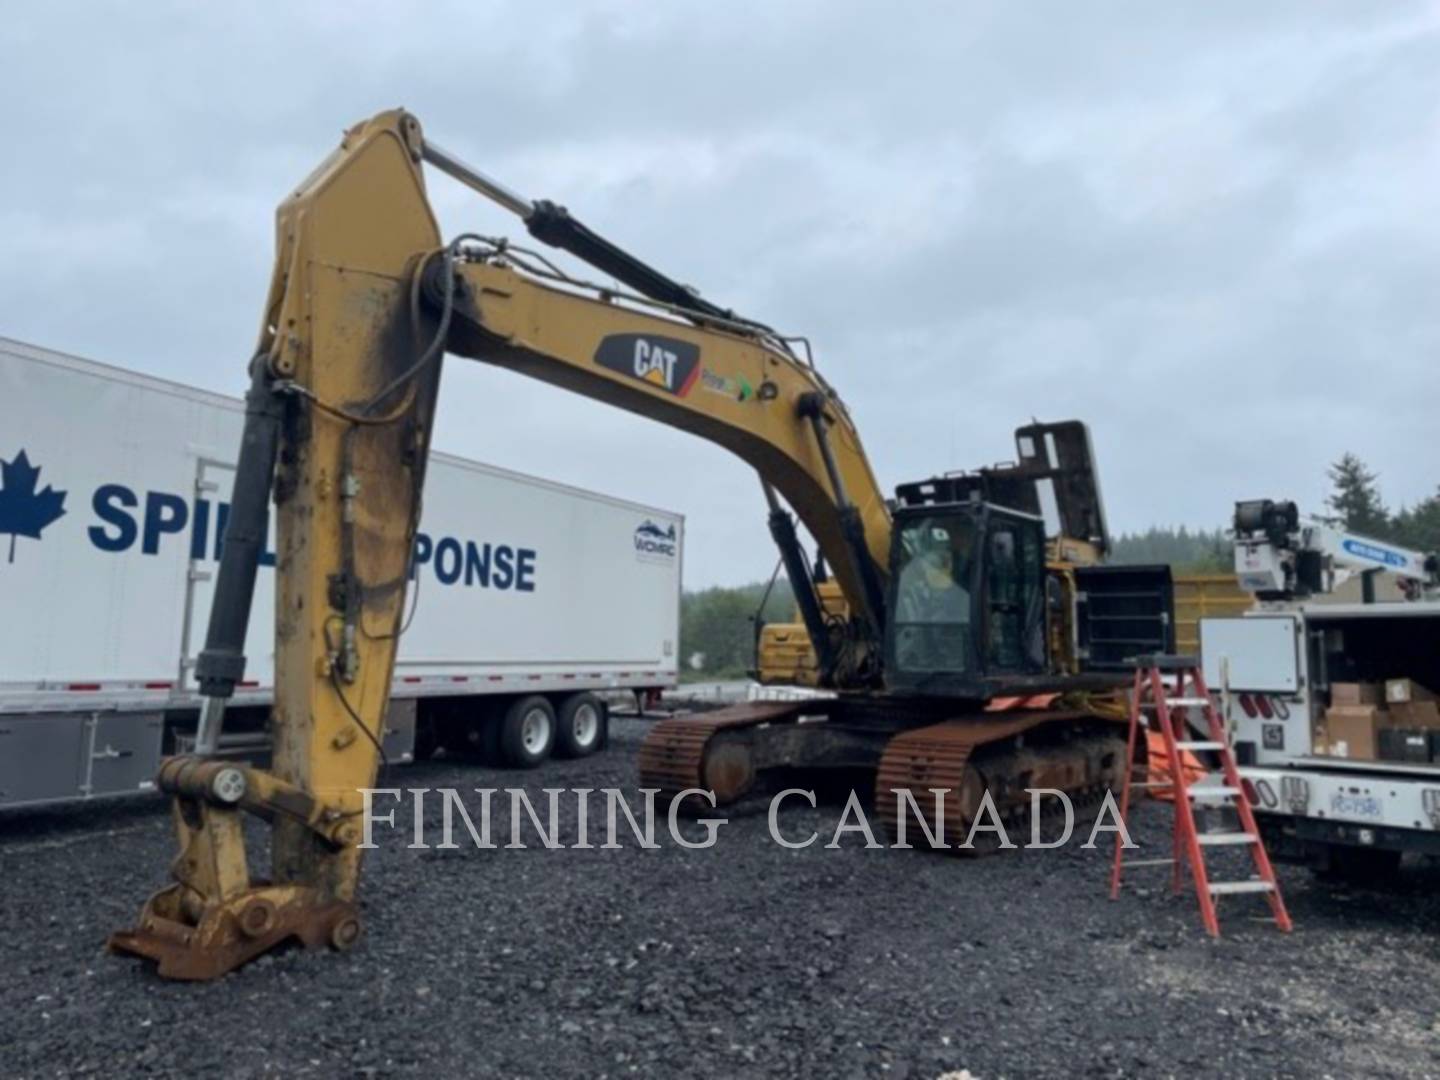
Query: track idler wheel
pixel 728 769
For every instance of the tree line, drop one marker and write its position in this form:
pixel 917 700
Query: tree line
pixel 717 625
pixel 1356 504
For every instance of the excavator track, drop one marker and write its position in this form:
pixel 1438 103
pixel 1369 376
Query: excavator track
pixel 1073 752
pixel 1006 754
pixel 677 754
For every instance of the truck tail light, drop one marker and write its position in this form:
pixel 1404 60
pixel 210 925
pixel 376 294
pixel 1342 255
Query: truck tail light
pixel 1248 704
pixel 1251 795
pixel 1263 704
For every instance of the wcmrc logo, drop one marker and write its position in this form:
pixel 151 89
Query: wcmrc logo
pixel 652 540
pixel 125 519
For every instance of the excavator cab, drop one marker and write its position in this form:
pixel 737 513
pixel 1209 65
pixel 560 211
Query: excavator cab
pixel 967 597
pixel 995 582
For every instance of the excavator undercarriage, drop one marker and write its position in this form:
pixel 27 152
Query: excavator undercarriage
pixel 883 746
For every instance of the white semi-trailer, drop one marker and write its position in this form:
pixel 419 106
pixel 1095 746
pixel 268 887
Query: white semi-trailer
pixel 1292 671
pixel 528 597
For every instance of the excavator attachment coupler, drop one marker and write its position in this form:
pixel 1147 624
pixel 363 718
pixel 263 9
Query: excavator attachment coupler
pixel 233 933
pixel 215 917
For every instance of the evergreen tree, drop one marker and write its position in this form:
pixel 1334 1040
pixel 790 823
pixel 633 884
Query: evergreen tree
pixel 1419 526
pixel 1202 551
pixel 1355 502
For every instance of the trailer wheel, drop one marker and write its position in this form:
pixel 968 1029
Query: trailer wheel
pixel 527 732
pixel 581 726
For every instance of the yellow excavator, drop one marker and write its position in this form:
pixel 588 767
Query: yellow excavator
pixel 956 600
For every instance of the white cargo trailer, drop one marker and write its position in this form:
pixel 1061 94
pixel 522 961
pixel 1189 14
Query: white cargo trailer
pixel 528 597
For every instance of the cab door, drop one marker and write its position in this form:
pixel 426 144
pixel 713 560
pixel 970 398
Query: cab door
pixel 1012 596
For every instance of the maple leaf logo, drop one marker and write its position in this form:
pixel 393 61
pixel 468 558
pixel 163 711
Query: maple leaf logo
pixel 23 510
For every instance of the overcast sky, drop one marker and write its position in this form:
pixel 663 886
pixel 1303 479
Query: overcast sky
pixel 1210 230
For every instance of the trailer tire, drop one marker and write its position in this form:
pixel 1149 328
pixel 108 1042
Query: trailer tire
pixel 580 729
pixel 527 732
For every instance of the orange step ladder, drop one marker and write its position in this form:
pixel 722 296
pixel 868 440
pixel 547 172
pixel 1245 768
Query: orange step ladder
pixel 1156 703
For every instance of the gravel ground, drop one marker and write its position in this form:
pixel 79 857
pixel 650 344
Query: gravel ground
pixel 743 960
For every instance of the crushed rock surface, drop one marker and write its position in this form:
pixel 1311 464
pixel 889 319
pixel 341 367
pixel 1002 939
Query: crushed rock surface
pixel 745 959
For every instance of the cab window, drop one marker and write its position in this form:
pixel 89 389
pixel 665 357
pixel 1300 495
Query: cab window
pixel 932 618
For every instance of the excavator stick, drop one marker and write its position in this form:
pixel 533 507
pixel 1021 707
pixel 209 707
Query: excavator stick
pixel 338 430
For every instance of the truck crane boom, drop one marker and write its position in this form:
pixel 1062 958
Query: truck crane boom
pixel 1279 557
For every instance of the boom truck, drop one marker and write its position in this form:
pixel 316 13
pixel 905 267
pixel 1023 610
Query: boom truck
pixel 955 598
pixel 1315 687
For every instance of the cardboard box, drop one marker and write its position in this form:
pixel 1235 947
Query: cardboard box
pixel 1405 690
pixel 1356 693
pixel 1351 731
pixel 1416 714
pixel 1405 745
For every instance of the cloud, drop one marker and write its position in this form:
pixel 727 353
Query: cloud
pixel 1210 232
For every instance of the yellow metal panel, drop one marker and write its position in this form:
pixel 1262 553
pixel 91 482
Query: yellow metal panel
pixel 1199 596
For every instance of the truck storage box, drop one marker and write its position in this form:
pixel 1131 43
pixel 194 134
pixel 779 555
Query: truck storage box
pixel 1257 653
pixel 1406 690
pixel 40 756
pixel 1353 693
